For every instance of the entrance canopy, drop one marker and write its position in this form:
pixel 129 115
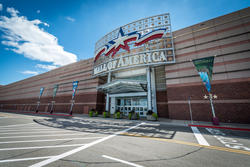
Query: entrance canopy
pixel 123 86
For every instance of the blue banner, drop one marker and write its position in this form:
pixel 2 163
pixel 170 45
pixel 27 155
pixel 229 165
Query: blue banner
pixel 204 66
pixel 55 90
pixel 205 80
pixel 74 84
pixel 41 92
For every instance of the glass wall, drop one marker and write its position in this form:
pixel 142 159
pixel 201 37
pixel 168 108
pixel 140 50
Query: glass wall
pixel 127 104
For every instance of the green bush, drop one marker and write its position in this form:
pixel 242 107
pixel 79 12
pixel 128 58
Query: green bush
pixel 137 116
pixel 93 113
pixel 129 115
pixel 155 115
pixel 132 114
pixel 106 114
pixel 117 115
pixel 96 114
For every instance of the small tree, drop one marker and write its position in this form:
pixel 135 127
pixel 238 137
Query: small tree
pixel 151 116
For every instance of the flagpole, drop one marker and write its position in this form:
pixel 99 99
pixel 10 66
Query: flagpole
pixel 204 66
pixel 212 105
pixel 75 84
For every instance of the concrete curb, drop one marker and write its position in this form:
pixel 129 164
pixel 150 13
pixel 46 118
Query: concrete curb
pixel 183 123
pixel 39 113
pixel 220 127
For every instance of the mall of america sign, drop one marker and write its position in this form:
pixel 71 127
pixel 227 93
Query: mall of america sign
pixel 149 58
pixel 153 34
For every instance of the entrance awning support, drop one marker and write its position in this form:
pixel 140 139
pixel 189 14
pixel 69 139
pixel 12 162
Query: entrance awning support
pixel 107 96
pixel 149 88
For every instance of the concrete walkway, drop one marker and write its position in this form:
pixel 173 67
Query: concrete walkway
pixel 233 126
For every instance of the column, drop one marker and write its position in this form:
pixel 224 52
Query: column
pixel 149 88
pixel 107 95
pixel 154 104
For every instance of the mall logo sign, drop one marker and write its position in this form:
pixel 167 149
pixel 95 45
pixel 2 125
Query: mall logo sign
pixel 122 41
pixel 132 60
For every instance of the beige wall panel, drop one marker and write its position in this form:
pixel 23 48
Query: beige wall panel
pixel 186 50
pixel 207 45
pixel 227 18
pixel 248 36
pixel 229 24
pixel 222 76
pixel 246 21
pixel 172 75
pixel 219 59
pixel 184 44
pixel 234 32
pixel 183 37
pixel 235 48
pixel 237 56
pixel 190 79
pixel 182 31
pixel 204 30
pixel 240 74
pixel 209 53
pixel 187 72
pixel 186 58
pixel 238 66
pixel 220 68
pixel 234 39
pixel 245 12
pixel 185 65
pixel 171 67
pixel 202 25
pixel 206 39
pixel 172 81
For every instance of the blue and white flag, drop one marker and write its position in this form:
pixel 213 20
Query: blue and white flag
pixel 74 84
pixel 204 66
pixel 41 92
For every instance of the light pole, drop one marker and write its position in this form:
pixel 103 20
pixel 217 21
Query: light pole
pixel 210 96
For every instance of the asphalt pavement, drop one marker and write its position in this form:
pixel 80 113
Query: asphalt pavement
pixel 58 141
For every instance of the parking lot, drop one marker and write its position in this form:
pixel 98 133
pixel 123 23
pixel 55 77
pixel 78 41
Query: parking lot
pixel 79 142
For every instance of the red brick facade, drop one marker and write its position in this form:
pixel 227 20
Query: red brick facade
pixel 227 37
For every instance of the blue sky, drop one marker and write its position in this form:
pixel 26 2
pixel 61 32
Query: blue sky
pixel 40 35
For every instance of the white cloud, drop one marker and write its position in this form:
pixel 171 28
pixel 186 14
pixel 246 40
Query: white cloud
pixel 1 7
pixel 27 38
pixel 12 12
pixel 38 11
pixel 70 19
pixel 29 72
pixel 46 67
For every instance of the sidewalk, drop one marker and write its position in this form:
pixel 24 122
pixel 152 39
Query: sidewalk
pixel 163 121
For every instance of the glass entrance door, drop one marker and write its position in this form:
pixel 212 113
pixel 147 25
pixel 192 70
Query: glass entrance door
pixel 127 104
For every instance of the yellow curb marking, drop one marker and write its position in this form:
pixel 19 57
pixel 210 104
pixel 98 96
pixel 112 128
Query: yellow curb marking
pixel 190 144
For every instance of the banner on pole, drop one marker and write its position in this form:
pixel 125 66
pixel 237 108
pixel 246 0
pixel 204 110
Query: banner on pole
pixel 204 66
pixel 41 92
pixel 55 90
pixel 74 84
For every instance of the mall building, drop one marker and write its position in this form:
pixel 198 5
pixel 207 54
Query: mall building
pixel 145 66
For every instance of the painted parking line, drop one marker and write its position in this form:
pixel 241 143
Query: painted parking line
pixel 16 125
pixel 53 159
pixel 24 159
pixel 38 147
pixel 122 161
pixel 33 141
pixel 201 140
pixel 191 144
pixel 35 129
pixel 48 131
pixel 8 137
pixel 227 141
